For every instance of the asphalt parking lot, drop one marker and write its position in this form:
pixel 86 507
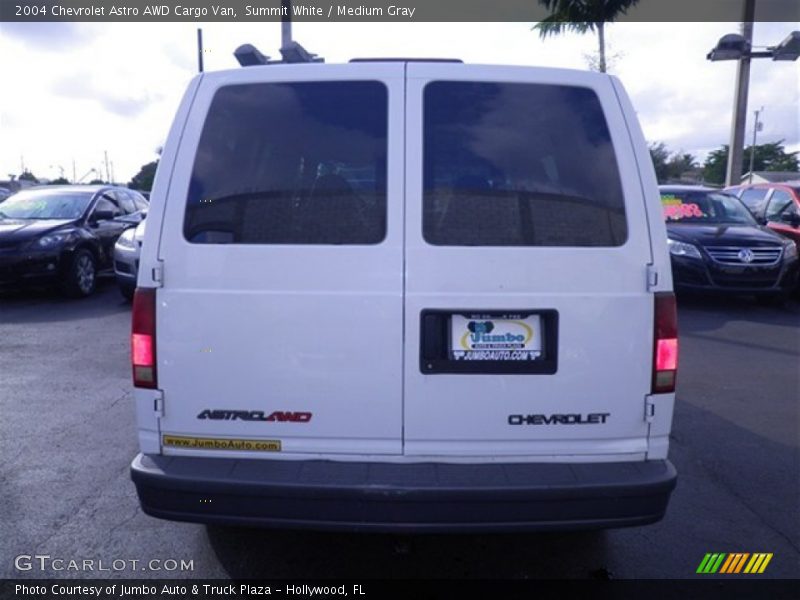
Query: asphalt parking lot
pixel 67 435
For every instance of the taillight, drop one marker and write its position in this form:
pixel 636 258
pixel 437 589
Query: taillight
pixel 143 338
pixel 665 352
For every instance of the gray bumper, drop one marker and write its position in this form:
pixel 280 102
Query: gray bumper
pixel 418 497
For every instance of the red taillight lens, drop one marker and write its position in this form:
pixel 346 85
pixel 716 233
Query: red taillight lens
pixel 665 353
pixel 143 338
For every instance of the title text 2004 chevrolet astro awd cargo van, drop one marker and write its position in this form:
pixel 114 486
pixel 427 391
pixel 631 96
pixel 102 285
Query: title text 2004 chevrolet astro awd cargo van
pixel 409 296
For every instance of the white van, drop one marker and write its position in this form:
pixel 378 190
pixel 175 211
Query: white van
pixel 405 295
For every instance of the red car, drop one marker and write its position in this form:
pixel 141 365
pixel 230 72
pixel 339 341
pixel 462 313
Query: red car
pixel 775 204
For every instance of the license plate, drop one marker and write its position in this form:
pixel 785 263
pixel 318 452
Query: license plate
pixel 496 338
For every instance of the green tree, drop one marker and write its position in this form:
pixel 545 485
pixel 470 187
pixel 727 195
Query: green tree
pixel 680 163
pixel 59 181
pixel 581 16
pixel 143 180
pixel 668 165
pixel 660 156
pixel 767 157
pixel 28 176
pixel 96 182
pixel 716 164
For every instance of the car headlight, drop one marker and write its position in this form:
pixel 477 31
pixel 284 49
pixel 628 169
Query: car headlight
pixel 126 240
pixel 790 250
pixel 51 240
pixel 677 248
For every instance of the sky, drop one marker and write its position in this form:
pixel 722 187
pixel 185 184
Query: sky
pixel 72 91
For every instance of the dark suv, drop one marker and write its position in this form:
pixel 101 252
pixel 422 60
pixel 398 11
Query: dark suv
pixel 63 234
pixel 716 245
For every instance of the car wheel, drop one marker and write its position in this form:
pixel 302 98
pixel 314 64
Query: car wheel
pixel 127 291
pixel 81 276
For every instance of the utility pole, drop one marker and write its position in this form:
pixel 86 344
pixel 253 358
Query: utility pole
pixel 73 171
pixel 733 175
pixel 199 50
pixel 108 174
pixel 756 128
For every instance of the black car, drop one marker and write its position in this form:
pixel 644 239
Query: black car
pixel 64 234
pixel 717 246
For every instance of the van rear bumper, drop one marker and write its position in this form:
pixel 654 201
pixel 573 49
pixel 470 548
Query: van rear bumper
pixel 410 497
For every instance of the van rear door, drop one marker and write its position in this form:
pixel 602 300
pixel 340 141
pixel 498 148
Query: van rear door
pixel 528 319
pixel 280 315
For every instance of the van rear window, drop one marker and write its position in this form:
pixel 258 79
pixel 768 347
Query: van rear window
pixel 291 163
pixel 516 164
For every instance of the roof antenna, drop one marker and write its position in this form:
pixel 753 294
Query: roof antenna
pixel 291 51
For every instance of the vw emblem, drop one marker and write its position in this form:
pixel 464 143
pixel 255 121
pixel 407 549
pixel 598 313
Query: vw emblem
pixel 745 255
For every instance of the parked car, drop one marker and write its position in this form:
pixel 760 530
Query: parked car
pixel 126 259
pixel 775 204
pixel 405 296
pixel 717 245
pixel 63 234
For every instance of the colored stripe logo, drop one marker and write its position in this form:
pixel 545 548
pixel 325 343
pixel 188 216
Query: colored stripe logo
pixel 734 563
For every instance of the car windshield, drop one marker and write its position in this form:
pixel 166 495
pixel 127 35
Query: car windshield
pixel 704 208
pixel 46 204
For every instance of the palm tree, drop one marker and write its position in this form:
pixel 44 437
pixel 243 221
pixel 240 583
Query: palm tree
pixel 582 16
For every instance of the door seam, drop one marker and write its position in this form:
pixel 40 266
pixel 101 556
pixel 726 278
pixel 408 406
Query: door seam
pixel 403 274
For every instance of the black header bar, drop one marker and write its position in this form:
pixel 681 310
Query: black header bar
pixel 244 11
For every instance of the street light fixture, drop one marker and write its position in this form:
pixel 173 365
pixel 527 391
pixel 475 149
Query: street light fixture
pixel 788 49
pixel 729 47
pixel 249 56
pixel 734 46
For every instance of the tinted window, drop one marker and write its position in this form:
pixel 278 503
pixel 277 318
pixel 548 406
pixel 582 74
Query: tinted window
pixel 46 204
pixel 509 164
pixel 125 202
pixel 703 207
pixel 138 200
pixel 778 203
pixel 106 204
pixel 291 163
pixel 753 199
pixel 735 190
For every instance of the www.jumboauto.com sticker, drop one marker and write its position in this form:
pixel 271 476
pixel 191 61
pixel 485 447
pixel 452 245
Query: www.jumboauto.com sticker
pixel 508 337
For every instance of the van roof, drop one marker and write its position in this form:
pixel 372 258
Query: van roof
pixel 581 75
pixel 402 59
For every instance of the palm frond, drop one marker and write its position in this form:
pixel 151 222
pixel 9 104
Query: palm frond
pixel 551 26
pixel 586 11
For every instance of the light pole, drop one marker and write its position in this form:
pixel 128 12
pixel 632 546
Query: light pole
pixel 734 171
pixel 286 23
pixel 756 129
pixel 291 52
pixel 739 47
